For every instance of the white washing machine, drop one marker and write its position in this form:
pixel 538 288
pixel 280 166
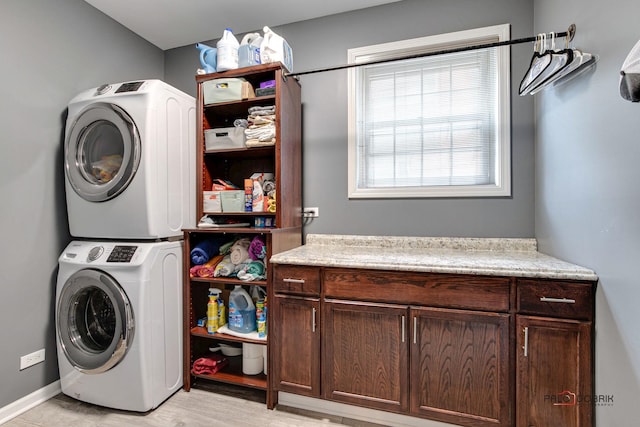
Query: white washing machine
pixel 119 322
pixel 130 161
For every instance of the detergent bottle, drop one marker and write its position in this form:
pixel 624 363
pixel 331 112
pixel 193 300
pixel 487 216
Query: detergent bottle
pixel 222 315
pixel 275 49
pixel 242 311
pixel 249 50
pixel 227 51
pixel 212 311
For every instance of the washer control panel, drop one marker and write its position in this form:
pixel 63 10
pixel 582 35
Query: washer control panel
pixel 122 253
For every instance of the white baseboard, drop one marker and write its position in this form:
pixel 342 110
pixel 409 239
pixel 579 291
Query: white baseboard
pixel 355 412
pixel 16 408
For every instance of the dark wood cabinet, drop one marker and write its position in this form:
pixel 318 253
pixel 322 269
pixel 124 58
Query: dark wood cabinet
pixel 460 366
pixel 469 350
pixel 555 354
pixel 365 354
pixel 296 344
pixel 283 160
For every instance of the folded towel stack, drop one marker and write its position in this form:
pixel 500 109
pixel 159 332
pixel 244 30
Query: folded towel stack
pixel 262 128
pixel 209 365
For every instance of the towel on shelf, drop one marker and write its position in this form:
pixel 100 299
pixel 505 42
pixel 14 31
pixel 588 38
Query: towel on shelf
pixel 224 249
pixel 259 110
pixel 206 269
pixel 240 251
pixel 209 365
pixel 253 270
pixel 257 143
pixel 205 250
pixel 225 268
pixel 257 248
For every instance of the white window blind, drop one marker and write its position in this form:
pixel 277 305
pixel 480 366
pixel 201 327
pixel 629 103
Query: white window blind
pixel 431 126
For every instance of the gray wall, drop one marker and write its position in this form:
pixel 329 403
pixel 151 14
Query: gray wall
pixel 587 194
pixel 51 50
pixel 324 42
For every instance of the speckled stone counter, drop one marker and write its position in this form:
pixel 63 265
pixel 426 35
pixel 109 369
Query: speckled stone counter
pixel 481 256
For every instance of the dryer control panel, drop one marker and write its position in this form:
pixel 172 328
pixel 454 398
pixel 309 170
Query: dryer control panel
pixel 121 253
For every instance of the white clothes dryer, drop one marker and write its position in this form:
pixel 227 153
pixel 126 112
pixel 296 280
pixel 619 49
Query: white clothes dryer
pixel 130 161
pixel 119 322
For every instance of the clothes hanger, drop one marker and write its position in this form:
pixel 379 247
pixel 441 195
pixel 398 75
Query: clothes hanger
pixel 539 63
pixel 582 61
pixel 560 59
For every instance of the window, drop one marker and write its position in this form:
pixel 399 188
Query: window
pixel 436 126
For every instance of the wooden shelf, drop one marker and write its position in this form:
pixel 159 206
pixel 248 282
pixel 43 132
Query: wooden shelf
pixel 229 280
pixel 232 374
pixel 199 331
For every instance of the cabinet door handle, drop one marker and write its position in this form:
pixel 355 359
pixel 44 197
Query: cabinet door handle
pixel 564 300
pixel 287 280
pixel 415 329
pixel 313 319
pixel 525 347
pixel 403 320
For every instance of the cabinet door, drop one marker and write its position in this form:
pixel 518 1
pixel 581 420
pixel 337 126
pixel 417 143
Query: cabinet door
pixel 554 373
pixel 295 341
pixel 460 366
pixel 365 354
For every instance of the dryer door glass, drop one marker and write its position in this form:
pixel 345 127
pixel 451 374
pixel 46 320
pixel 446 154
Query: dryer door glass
pixel 102 152
pixel 95 322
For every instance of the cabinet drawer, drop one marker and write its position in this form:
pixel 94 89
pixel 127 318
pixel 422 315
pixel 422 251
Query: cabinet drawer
pixel 435 290
pixel 556 299
pixel 297 280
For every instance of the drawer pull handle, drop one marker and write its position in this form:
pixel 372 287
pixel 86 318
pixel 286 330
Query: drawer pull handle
pixel 403 320
pixel 313 321
pixel 563 300
pixel 293 280
pixel 415 330
pixel 525 347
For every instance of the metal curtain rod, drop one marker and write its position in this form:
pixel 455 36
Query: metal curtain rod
pixel 570 33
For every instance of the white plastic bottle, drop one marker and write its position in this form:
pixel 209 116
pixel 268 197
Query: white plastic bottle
pixel 227 51
pixel 249 50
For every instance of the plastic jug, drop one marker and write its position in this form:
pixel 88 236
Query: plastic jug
pixel 249 50
pixel 227 51
pixel 242 311
pixel 208 57
pixel 275 49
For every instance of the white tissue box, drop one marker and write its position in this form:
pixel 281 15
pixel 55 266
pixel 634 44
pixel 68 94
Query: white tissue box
pixel 222 138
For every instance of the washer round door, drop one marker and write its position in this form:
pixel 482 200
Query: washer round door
pixel 94 321
pixel 102 152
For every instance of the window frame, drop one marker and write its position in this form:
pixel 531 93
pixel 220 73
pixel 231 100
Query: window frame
pixel 404 48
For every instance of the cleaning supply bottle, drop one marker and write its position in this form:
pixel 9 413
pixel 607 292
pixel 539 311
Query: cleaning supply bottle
pixel 242 311
pixel 222 315
pixel 249 50
pixel 227 51
pixel 212 311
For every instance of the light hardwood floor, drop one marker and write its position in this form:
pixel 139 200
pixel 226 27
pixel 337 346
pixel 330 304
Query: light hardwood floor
pixel 197 408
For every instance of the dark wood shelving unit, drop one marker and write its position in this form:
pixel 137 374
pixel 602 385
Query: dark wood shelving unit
pixel 283 159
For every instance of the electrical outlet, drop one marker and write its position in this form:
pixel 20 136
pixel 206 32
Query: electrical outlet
pixel 31 359
pixel 311 212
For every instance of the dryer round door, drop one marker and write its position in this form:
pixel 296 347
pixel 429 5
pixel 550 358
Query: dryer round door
pixel 94 321
pixel 102 152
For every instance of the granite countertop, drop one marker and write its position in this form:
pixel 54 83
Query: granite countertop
pixel 481 256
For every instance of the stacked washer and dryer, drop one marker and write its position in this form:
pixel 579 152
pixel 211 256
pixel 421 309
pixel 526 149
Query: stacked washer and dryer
pixel 130 189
